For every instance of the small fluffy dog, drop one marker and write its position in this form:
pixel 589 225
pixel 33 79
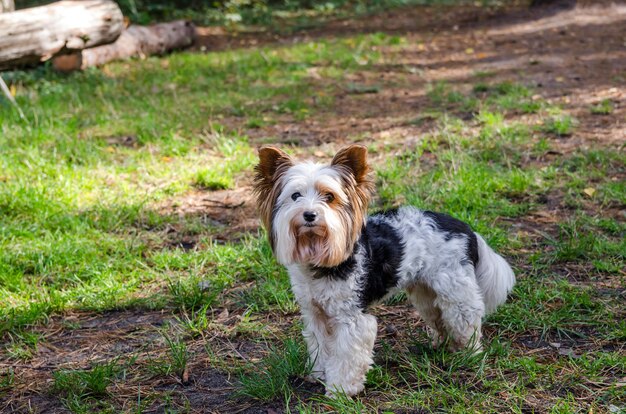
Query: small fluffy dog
pixel 340 261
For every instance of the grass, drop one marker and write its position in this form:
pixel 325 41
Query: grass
pixel 270 378
pixel 82 391
pixel 7 379
pixel 175 361
pixel 92 226
pixel 79 213
pixel 605 107
pixel 560 125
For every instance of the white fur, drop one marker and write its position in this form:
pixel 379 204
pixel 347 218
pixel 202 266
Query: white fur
pixel 450 295
pixel 495 276
pixel 341 343
pixel 443 289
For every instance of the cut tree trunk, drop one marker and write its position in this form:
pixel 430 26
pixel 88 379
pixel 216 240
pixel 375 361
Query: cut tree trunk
pixel 135 41
pixel 7 6
pixel 34 35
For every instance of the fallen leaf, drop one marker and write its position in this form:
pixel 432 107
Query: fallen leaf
pixel 590 191
pixel 469 51
pixel 222 316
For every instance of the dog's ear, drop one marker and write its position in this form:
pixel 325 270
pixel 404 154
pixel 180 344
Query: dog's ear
pixel 271 159
pixel 354 159
pixel 351 162
pixel 273 163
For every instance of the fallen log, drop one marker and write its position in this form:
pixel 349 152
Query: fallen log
pixel 34 35
pixel 135 41
pixel 7 6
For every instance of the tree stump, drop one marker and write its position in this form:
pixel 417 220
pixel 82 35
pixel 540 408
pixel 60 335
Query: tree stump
pixel 34 35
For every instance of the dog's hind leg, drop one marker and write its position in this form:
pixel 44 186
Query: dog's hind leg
pixel 462 308
pixel 350 353
pixel 423 298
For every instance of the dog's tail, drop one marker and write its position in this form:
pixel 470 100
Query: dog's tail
pixel 495 276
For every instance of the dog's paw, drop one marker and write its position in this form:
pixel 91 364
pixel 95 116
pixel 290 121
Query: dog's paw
pixel 473 347
pixel 315 377
pixel 350 390
pixel 436 339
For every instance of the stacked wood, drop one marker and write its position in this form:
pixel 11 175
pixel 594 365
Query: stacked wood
pixel 135 41
pixel 34 35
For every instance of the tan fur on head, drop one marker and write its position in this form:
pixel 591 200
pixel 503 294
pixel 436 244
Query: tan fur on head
pixel 352 164
pixel 273 163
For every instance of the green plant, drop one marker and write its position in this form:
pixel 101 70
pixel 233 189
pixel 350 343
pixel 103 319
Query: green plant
pixel 271 377
pixel 603 108
pixel 560 125
pixel 79 384
pixel 211 180
pixel 175 361
pixel 7 378
pixel 193 293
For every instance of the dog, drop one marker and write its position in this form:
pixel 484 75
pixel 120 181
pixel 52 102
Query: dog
pixel 340 261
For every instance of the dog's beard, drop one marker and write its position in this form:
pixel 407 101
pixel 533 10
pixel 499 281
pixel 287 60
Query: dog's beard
pixel 316 245
pixel 310 244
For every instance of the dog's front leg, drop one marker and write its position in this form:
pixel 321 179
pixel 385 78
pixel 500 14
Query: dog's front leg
pixel 315 335
pixel 350 351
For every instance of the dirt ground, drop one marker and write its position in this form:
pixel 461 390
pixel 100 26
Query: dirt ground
pixel 570 56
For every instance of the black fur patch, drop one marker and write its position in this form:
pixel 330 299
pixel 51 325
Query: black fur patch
pixel 391 213
pixel 455 228
pixel 384 254
pixel 341 271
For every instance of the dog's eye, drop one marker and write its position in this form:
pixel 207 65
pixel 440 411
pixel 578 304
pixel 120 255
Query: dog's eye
pixel 295 196
pixel 329 197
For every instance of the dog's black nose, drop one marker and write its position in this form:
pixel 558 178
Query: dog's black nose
pixel 310 216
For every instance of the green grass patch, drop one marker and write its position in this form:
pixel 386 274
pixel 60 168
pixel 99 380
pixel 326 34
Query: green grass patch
pixel 175 361
pixel 605 107
pixel 84 391
pixel 271 378
pixel 81 176
pixel 555 309
pixel 7 378
pixel 560 125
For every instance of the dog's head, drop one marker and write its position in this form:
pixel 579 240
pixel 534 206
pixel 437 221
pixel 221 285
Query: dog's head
pixel 313 213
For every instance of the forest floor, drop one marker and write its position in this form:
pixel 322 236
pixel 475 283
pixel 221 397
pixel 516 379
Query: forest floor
pixel 134 276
